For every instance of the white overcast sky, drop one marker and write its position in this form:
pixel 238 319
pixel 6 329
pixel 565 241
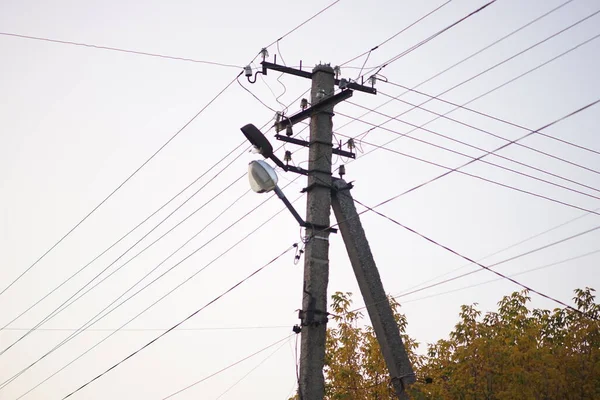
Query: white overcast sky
pixel 76 121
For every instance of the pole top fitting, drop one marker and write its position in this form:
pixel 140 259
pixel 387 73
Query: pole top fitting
pixel 323 68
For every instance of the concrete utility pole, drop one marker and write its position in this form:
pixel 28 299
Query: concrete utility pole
pixel 371 288
pixel 316 256
pixel 323 193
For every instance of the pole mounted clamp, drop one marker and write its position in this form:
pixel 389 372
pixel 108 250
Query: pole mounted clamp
pixel 317 227
pixel 314 185
pixel 312 317
pixel 404 380
pixel 335 189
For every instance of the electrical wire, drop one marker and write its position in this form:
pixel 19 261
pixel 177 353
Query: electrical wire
pixel 284 110
pixel 470 57
pixel 5 327
pixel 63 306
pixel 500 262
pixel 256 97
pixel 365 62
pixel 395 35
pixel 500 279
pixel 84 327
pixel 154 154
pixel 59 310
pixel 479 113
pixel 451 169
pixel 525 50
pixel 98 316
pixel 223 328
pixel 482 50
pixel 142 53
pixel 506 145
pixel 252 370
pixel 52 315
pixel 504 249
pixel 487 92
pixel 381 44
pixel 303 23
pixel 430 38
pixel 181 322
pixel 392 37
pixel 483 161
pixel 478 148
pixel 165 144
pixel 487 268
pixel 511 33
pixel 456 169
pixel 544 171
pixel 508 59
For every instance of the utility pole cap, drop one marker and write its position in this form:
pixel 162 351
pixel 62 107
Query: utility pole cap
pixel 262 176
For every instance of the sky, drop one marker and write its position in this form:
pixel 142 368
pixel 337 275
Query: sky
pixel 77 121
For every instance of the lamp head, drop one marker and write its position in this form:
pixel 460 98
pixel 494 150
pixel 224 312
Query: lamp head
pixel 262 176
pixel 258 140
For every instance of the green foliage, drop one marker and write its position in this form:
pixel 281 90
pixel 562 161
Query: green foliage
pixel 514 353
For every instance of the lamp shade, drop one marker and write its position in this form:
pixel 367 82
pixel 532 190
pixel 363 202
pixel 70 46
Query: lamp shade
pixel 258 140
pixel 262 176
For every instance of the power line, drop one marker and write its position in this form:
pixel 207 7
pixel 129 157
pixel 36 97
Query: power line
pixel 303 23
pixel 457 169
pixel 255 97
pixel 506 145
pixel 153 155
pixel 60 308
pixel 511 33
pixel 461 61
pixel 396 34
pixel 481 149
pixel 485 71
pixel 520 242
pixel 401 135
pixel 93 320
pixel 123 237
pixel 64 305
pixel 500 279
pixel 425 41
pixel 142 53
pixel 119 186
pixel 475 54
pixel 376 47
pixel 479 264
pixel 546 246
pixel 84 327
pixel 94 46
pixel 525 50
pixel 181 322
pixel 217 328
pixel 450 169
pixel 236 363
pixel 479 113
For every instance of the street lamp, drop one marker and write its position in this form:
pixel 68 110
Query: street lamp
pixel 263 179
pixel 262 176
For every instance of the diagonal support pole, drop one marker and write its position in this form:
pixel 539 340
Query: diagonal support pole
pixel 369 282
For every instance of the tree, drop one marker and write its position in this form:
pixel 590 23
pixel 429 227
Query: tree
pixel 514 353
pixel 354 366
